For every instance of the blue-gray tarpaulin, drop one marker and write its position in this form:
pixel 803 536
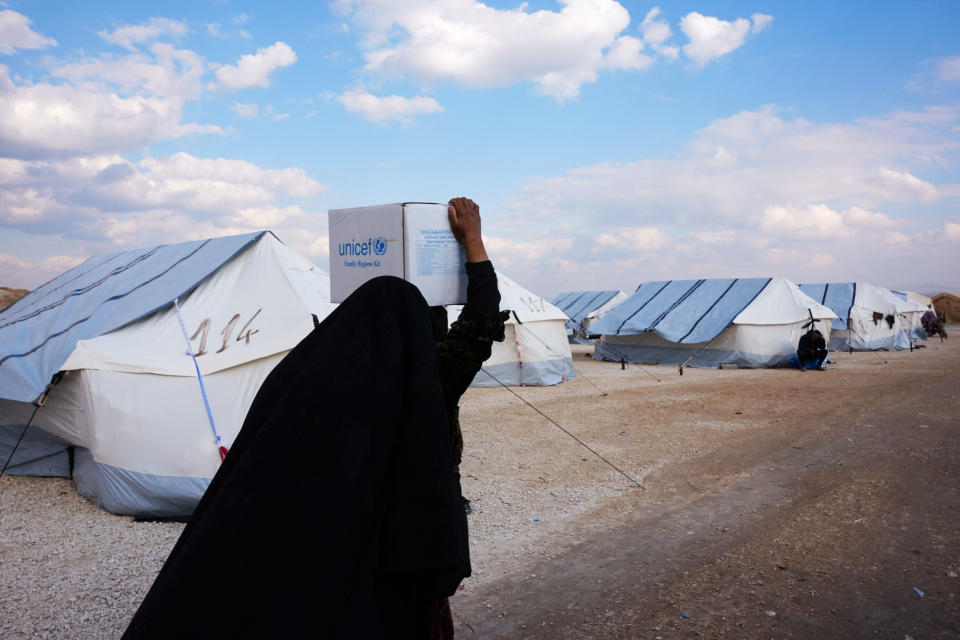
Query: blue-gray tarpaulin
pixel 839 296
pixel 579 304
pixel 682 311
pixel 39 331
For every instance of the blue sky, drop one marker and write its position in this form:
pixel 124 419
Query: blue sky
pixel 607 143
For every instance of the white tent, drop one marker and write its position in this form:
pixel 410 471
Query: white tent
pixel 536 351
pixel 750 322
pixel 130 400
pixel 916 305
pixel 925 301
pixel 584 308
pixel 868 317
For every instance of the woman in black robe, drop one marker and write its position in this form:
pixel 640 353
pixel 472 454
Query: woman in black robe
pixel 337 512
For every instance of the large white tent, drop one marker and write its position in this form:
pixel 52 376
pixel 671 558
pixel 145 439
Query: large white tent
pixel 584 308
pixel 130 400
pixel 749 322
pixel 869 317
pixel 536 351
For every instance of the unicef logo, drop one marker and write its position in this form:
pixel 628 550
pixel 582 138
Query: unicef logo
pixel 380 246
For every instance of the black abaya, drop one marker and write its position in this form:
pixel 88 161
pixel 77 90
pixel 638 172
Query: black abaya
pixel 336 513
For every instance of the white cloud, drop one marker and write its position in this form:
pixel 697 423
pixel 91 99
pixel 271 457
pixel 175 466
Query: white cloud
pixel 15 33
pixel 254 69
pixel 34 272
pixel 152 29
pixel 167 73
pixel 246 110
pixel 760 22
pixel 812 221
pixel 122 103
pixel 936 75
pixel 821 261
pixel 723 158
pixel 902 185
pixel 377 109
pixel 11 262
pixel 711 38
pixel 249 111
pixel 861 218
pixel 510 253
pixel 476 45
pixel 656 32
pixel 755 194
pixel 897 237
pixel 948 70
pixel 216 30
pixel 111 105
pixel 951 231
pixel 738 166
pixel 636 239
pixel 185 167
pixel 820 221
pixel 670 53
pixel 716 237
pixel 625 54
pixel 181 196
pixel 67 180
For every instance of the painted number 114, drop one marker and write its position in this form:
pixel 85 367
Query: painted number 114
pixel 245 333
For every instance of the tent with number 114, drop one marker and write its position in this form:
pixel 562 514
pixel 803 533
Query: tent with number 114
pixel 136 429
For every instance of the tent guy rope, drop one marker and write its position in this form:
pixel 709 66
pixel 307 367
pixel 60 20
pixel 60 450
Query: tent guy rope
pixel 22 433
pixel 222 450
pixel 557 425
pixel 39 402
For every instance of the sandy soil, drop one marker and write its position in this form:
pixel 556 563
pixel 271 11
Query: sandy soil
pixel 774 503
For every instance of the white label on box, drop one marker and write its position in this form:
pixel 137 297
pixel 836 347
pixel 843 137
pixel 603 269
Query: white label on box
pixel 438 253
pixel 434 260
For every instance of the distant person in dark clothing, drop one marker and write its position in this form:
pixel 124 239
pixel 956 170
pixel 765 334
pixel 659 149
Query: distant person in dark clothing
pixel 932 323
pixel 812 350
pixel 338 511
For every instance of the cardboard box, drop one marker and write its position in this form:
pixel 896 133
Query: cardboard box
pixel 410 240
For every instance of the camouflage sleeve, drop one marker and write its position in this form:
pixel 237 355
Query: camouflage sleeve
pixel 460 356
pixel 466 347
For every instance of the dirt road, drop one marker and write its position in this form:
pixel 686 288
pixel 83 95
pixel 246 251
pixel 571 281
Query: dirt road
pixel 777 504
pixel 795 505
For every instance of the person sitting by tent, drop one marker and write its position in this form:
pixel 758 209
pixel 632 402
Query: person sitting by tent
pixel 338 512
pixel 933 324
pixel 812 350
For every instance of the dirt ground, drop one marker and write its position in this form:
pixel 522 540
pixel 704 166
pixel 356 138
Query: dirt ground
pixel 775 503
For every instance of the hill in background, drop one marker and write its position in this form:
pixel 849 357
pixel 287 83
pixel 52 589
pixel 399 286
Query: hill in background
pixel 9 296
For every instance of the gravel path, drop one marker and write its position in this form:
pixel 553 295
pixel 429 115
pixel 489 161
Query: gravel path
pixel 67 568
